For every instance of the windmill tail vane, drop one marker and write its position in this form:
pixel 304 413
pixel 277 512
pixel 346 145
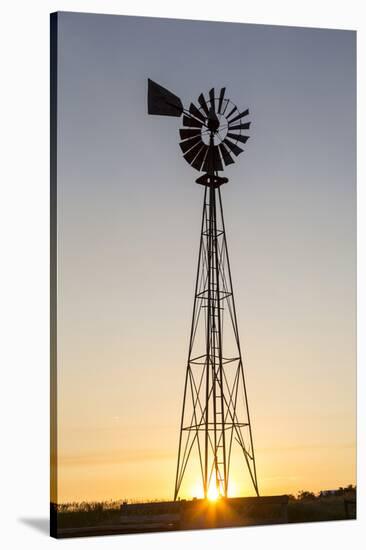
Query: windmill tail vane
pixel 215 427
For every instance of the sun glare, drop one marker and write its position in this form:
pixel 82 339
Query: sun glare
pixel 213 493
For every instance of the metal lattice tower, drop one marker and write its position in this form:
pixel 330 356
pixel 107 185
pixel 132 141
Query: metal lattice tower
pixel 215 413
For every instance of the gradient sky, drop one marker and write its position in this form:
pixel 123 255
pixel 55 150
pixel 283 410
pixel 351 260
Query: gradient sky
pixel 129 219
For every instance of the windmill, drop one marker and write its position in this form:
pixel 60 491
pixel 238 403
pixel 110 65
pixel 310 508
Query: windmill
pixel 215 416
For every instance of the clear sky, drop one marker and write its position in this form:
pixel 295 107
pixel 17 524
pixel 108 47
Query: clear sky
pixel 129 219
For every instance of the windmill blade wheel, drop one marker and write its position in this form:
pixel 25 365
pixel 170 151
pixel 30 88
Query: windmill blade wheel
pixel 211 133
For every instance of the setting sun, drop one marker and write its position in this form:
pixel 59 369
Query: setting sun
pixel 213 493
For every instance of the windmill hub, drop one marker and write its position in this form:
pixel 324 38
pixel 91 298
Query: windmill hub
pixel 213 124
pixel 216 128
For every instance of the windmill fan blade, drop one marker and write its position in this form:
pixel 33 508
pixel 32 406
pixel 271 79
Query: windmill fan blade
pixel 197 162
pixel 222 93
pixel 189 143
pixel 185 134
pixel 212 98
pixel 217 164
pixel 245 126
pixel 240 115
pixel 228 159
pixel 202 102
pixel 212 160
pixel 234 148
pixel 192 153
pixel 238 137
pixel 162 102
pixel 190 121
pixel 226 103
pixel 231 112
pixel 207 165
pixel 196 113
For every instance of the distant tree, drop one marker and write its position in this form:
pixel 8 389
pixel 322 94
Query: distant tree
pixel 305 495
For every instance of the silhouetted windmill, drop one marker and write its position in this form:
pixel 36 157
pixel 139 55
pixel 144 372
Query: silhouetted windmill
pixel 215 414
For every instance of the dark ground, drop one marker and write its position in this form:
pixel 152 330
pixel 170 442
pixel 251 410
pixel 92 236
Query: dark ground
pixel 112 518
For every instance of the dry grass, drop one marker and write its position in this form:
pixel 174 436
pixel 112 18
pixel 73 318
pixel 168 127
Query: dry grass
pixel 89 514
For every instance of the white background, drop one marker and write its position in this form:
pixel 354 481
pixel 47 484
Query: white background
pixel 24 271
